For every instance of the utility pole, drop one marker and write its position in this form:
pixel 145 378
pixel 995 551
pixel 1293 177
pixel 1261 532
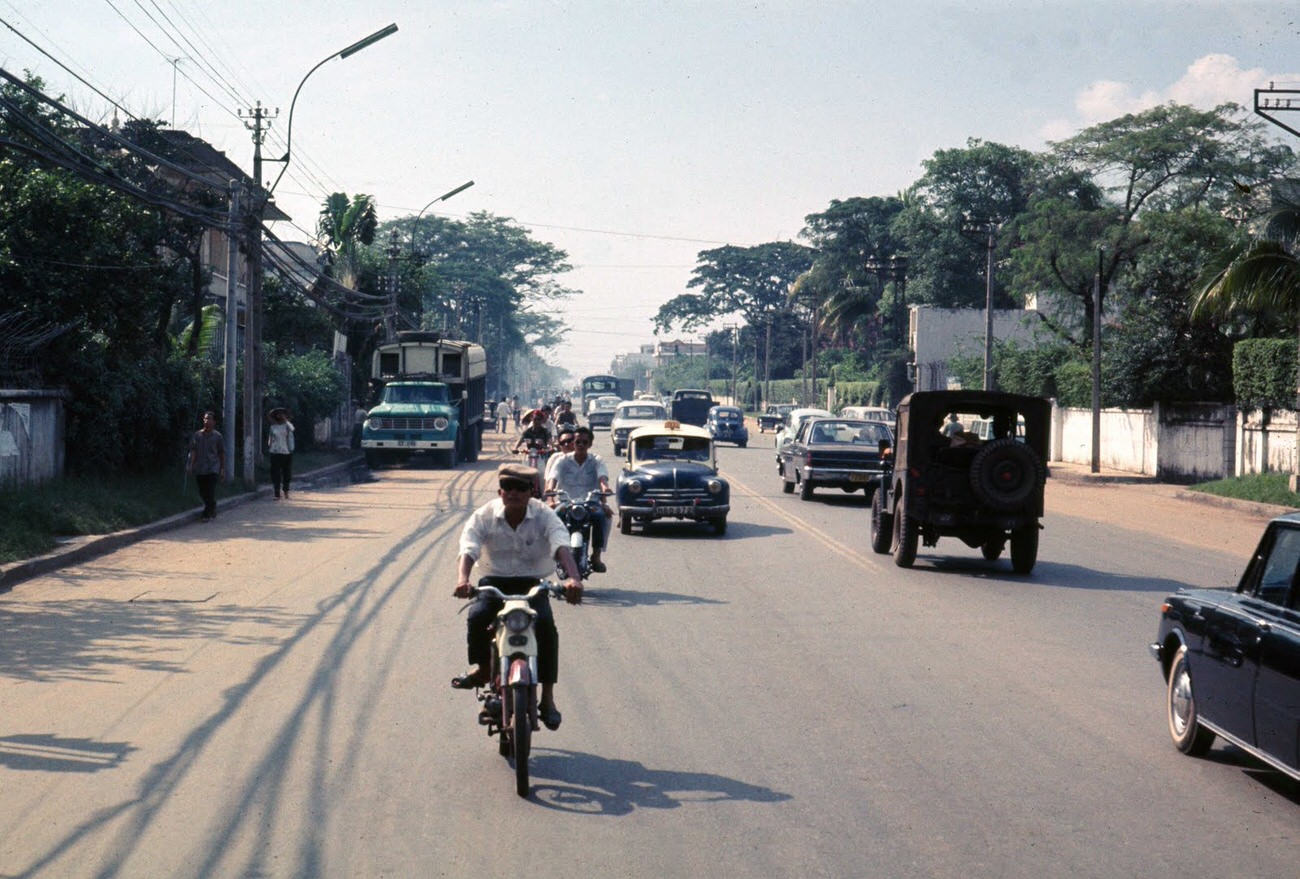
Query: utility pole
pixel 1096 366
pixel 230 348
pixel 974 230
pixel 394 282
pixel 254 371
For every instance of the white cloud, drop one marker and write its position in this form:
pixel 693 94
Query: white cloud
pixel 1208 81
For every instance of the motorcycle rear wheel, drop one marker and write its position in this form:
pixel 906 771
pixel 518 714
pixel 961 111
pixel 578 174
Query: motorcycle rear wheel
pixel 522 737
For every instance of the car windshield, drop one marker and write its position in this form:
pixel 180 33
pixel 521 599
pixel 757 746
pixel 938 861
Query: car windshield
pixel 849 432
pixel 634 413
pixel 415 394
pixel 666 447
pixel 727 415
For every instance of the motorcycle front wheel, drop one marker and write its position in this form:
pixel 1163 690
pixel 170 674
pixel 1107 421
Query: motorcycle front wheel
pixel 522 736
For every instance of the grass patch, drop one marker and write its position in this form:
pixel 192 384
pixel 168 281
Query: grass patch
pixel 1262 488
pixel 37 518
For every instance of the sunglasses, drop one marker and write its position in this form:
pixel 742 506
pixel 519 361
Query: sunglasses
pixel 566 441
pixel 516 485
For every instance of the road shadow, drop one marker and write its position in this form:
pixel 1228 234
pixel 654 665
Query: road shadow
pixel 599 596
pixel 586 784
pixel 671 529
pixel 50 753
pixel 1044 574
pixel 1257 770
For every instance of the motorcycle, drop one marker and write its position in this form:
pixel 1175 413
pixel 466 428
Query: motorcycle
pixel 538 452
pixel 577 515
pixel 510 697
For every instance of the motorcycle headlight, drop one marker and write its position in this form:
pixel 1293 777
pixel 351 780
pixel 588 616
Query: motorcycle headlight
pixel 518 620
pixel 635 486
pixel 578 514
pixel 714 486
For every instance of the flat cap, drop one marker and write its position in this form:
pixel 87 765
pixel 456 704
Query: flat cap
pixel 517 471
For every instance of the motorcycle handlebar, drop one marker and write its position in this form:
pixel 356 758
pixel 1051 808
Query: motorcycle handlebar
pixel 494 592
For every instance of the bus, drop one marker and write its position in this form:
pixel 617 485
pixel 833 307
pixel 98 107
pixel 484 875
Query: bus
pixel 594 386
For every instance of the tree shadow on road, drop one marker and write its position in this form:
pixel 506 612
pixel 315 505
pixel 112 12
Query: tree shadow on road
pixel 580 783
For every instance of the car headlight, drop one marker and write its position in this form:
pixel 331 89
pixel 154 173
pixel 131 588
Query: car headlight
pixel 714 486
pixel 518 620
pixel 440 423
pixel 635 486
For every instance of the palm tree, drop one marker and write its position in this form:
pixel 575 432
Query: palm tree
pixel 343 225
pixel 1262 274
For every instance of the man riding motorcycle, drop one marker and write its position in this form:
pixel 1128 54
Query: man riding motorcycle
pixel 579 474
pixel 519 540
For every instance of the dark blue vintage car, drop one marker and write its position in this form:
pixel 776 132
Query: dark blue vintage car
pixel 726 424
pixel 1231 660
pixel 671 473
pixel 843 453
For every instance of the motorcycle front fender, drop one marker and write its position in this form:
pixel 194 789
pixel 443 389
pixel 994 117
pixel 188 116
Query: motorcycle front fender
pixel 520 674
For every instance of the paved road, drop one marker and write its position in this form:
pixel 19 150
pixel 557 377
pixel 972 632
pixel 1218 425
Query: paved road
pixel 266 696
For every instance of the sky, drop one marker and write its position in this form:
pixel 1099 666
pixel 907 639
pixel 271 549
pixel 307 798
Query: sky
pixel 634 135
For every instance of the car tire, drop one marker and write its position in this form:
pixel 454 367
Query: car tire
pixel 719 526
pixel 992 549
pixel 1184 721
pixel 742 445
pixel 805 490
pixel 1024 548
pixel 1006 473
pixel 882 525
pixel 624 524
pixel 906 537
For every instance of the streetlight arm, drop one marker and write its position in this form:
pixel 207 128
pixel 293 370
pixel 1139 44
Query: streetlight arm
pixel 350 50
pixel 446 195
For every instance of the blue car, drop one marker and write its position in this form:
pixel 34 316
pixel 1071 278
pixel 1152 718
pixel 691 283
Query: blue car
pixel 726 424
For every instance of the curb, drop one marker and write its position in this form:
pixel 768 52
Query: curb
pixel 81 549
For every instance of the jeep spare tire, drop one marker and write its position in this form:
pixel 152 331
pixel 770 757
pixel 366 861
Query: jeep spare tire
pixel 1006 473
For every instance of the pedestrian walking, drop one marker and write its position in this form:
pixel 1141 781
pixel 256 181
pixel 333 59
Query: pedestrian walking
pixel 504 412
pixel 279 444
pixel 516 409
pixel 208 463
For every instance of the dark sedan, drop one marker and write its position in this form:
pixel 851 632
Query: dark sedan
pixel 1231 660
pixel 726 424
pixel 838 453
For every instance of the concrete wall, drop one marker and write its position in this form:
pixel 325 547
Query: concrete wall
pixel 1128 438
pixel 939 334
pixel 1266 442
pixel 1185 442
pixel 31 436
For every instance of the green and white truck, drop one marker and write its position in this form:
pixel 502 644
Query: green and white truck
pixel 429 394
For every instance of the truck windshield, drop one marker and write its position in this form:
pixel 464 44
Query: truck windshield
pixel 415 394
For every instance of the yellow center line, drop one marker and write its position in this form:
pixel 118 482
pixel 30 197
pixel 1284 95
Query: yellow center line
pixel 836 546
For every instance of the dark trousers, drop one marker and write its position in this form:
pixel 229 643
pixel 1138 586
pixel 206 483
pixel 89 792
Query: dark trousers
pixel 484 610
pixel 208 491
pixel 281 470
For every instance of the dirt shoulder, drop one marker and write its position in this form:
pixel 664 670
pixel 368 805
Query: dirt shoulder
pixel 1168 512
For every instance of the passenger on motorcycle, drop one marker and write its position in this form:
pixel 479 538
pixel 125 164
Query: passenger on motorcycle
pixel 563 448
pixel 581 473
pixel 565 415
pixel 539 429
pixel 519 540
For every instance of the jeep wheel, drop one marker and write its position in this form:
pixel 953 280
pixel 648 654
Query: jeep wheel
pixel 1024 548
pixel 1006 473
pixel 993 549
pixel 882 525
pixel 905 537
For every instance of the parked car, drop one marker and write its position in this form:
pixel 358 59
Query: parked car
pixel 726 424
pixel 786 432
pixel 1231 660
pixel 671 473
pixel 773 417
pixel 631 414
pixel 869 413
pixel 843 453
pixel 601 412
pixel 946 482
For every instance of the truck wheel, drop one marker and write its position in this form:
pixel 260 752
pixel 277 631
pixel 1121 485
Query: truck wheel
pixel 1006 473
pixel 373 460
pixel 445 458
pixel 905 537
pixel 882 525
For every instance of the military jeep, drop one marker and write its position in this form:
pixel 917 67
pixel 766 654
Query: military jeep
pixel 984 488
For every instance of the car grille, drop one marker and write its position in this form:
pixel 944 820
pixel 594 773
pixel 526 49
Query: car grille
pixel 408 423
pixel 669 494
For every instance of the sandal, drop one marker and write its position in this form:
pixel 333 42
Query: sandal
pixel 468 681
pixel 550 716
pixel 598 567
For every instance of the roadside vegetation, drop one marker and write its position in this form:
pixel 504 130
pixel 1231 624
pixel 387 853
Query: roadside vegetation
pixel 39 518
pixel 1262 488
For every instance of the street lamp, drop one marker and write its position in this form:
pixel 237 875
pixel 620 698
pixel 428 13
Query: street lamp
pixel 416 225
pixel 350 50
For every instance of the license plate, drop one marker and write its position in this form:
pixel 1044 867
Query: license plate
pixel 406 442
pixel 861 477
pixel 674 511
